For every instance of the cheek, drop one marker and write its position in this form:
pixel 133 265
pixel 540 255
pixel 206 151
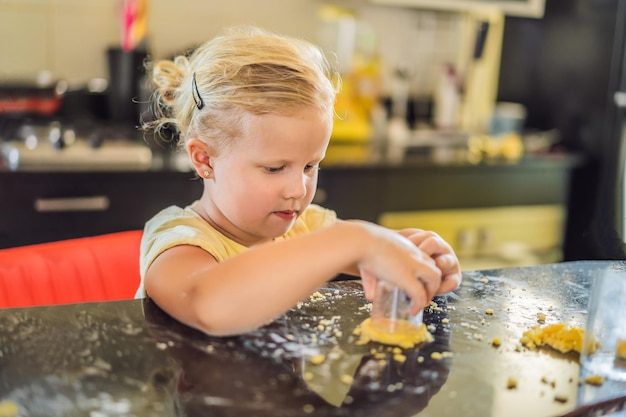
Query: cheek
pixel 311 186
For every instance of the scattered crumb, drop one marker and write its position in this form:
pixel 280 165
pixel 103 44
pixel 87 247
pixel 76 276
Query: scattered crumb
pixel 484 280
pixel 445 321
pixel 420 359
pixel 308 408
pixel 594 380
pixel 489 311
pixel 436 356
pixel 395 387
pixel 511 383
pixel 558 336
pixel 541 318
pixel 561 398
pixel 8 408
pixel 398 357
pixel 346 379
pixel 317 296
pixel 318 359
pixel 620 350
pixel 496 342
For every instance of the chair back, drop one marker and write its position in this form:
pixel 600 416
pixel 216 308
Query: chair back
pixel 98 268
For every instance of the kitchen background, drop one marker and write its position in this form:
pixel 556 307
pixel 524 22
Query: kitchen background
pixel 437 73
pixel 54 35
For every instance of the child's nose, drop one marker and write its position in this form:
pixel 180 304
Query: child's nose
pixel 297 186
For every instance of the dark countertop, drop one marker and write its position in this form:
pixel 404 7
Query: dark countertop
pixel 82 158
pixel 130 358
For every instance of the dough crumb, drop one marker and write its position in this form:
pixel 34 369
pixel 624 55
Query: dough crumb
pixel 594 380
pixel 558 336
pixel 400 358
pixel 620 350
pixel 346 379
pixel 511 383
pixel 318 359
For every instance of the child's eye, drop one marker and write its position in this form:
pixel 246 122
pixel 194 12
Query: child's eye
pixel 310 168
pixel 273 170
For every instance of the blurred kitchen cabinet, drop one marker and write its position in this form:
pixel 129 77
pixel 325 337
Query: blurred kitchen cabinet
pixel 40 207
pixel 494 215
pixel 353 192
pixel 522 8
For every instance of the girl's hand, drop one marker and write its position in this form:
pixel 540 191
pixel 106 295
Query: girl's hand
pixel 389 256
pixel 443 254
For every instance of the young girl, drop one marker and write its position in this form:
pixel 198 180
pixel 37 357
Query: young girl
pixel 255 111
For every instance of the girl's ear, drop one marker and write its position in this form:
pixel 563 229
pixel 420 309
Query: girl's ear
pixel 200 157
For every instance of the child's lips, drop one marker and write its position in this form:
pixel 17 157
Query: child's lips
pixel 286 214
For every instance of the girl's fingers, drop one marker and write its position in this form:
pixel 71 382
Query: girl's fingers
pixel 369 285
pixel 446 261
pixel 429 276
pixel 434 245
pixel 449 283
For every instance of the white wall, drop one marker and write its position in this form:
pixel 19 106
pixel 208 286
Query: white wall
pixel 70 37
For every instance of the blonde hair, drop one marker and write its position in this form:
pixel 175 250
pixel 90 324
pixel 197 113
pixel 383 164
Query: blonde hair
pixel 245 70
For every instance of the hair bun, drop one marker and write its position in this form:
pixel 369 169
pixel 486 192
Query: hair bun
pixel 168 77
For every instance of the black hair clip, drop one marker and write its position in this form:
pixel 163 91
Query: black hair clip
pixel 196 93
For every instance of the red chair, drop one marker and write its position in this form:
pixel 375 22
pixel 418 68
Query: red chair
pixel 99 268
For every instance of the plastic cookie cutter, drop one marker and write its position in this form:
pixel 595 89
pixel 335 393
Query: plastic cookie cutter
pixel 391 311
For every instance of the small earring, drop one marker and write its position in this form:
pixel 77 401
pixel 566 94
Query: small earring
pixel 206 174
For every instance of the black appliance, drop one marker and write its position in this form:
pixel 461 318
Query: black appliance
pixel 566 68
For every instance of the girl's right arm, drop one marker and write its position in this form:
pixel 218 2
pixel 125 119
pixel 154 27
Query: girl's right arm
pixel 251 288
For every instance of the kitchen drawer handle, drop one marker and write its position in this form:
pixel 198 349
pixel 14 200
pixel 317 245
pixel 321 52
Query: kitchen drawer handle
pixel 96 203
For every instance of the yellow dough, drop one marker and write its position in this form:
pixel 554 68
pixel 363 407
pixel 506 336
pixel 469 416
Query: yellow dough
pixel 558 336
pixel 620 351
pixel 406 334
